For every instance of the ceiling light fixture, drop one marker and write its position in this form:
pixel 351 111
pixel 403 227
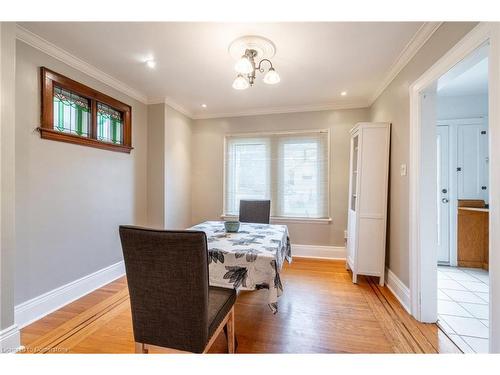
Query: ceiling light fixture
pixel 253 52
pixel 243 65
pixel 203 106
pixel 271 77
pixel 343 93
pixel 151 64
pixel 240 83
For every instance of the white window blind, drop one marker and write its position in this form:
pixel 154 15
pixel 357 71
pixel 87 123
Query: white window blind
pixel 290 169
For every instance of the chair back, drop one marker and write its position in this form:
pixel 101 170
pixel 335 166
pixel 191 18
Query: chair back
pixel 255 211
pixel 167 275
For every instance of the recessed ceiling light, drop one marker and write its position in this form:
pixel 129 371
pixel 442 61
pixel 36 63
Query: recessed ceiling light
pixel 343 93
pixel 151 63
pixel 203 106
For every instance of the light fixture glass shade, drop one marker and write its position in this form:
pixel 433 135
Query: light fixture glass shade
pixel 243 65
pixel 271 77
pixel 240 83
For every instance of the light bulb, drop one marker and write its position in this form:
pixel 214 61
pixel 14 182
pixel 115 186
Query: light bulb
pixel 151 64
pixel 271 77
pixel 243 65
pixel 240 83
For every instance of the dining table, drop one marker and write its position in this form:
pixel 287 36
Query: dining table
pixel 249 259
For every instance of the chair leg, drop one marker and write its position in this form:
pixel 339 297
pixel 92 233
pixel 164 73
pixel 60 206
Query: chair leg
pixel 230 332
pixel 141 348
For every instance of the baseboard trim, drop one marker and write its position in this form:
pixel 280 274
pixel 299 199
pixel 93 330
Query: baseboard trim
pixel 10 340
pixel 399 289
pixel 318 252
pixel 38 307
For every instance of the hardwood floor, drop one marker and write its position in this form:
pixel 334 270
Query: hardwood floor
pixel 321 311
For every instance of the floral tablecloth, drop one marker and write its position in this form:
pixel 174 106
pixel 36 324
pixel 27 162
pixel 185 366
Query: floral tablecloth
pixel 250 259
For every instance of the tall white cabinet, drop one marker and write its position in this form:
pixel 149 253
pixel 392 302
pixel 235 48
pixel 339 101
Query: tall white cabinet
pixel 368 184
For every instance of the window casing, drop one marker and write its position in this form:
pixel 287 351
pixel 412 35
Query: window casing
pixel 291 169
pixel 74 113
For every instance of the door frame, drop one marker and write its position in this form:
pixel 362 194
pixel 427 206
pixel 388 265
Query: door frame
pixel 453 188
pixel 423 258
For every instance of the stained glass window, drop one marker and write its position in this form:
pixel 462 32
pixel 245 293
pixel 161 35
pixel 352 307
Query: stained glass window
pixel 71 112
pixel 78 114
pixel 109 124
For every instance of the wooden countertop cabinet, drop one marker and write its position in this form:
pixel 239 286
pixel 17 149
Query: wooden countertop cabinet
pixel 473 233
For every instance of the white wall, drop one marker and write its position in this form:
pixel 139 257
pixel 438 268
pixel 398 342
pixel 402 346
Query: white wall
pixel 169 168
pixel 456 107
pixel 178 170
pixel 208 166
pixel 7 176
pixel 156 166
pixel 70 199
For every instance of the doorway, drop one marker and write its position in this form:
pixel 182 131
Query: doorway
pixel 462 168
pixel 462 159
pixel 424 193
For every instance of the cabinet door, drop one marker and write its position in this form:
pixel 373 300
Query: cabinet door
pixel 354 173
pixel 472 155
pixel 351 235
pixel 353 187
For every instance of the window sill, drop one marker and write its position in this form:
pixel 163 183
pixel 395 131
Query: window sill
pixel 55 135
pixel 292 220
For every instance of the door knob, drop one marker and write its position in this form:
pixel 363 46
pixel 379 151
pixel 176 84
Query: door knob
pixel 445 200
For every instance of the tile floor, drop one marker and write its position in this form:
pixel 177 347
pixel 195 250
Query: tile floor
pixel 463 306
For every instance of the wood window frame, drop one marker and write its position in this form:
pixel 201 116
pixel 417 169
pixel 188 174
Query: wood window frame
pixel 49 79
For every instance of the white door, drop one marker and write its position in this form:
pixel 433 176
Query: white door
pixel 443 203
pixel 472 162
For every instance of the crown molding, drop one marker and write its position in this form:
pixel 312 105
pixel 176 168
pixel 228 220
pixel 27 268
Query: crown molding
pixel 417 41
pixel 281 110
pixel 58 53
pixel 171 103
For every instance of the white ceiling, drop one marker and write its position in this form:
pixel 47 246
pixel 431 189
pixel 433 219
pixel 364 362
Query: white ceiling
pixel 471 79
pixel 316 61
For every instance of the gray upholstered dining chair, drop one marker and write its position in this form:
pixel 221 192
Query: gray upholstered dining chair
pixel 172 304
pixel 255 211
